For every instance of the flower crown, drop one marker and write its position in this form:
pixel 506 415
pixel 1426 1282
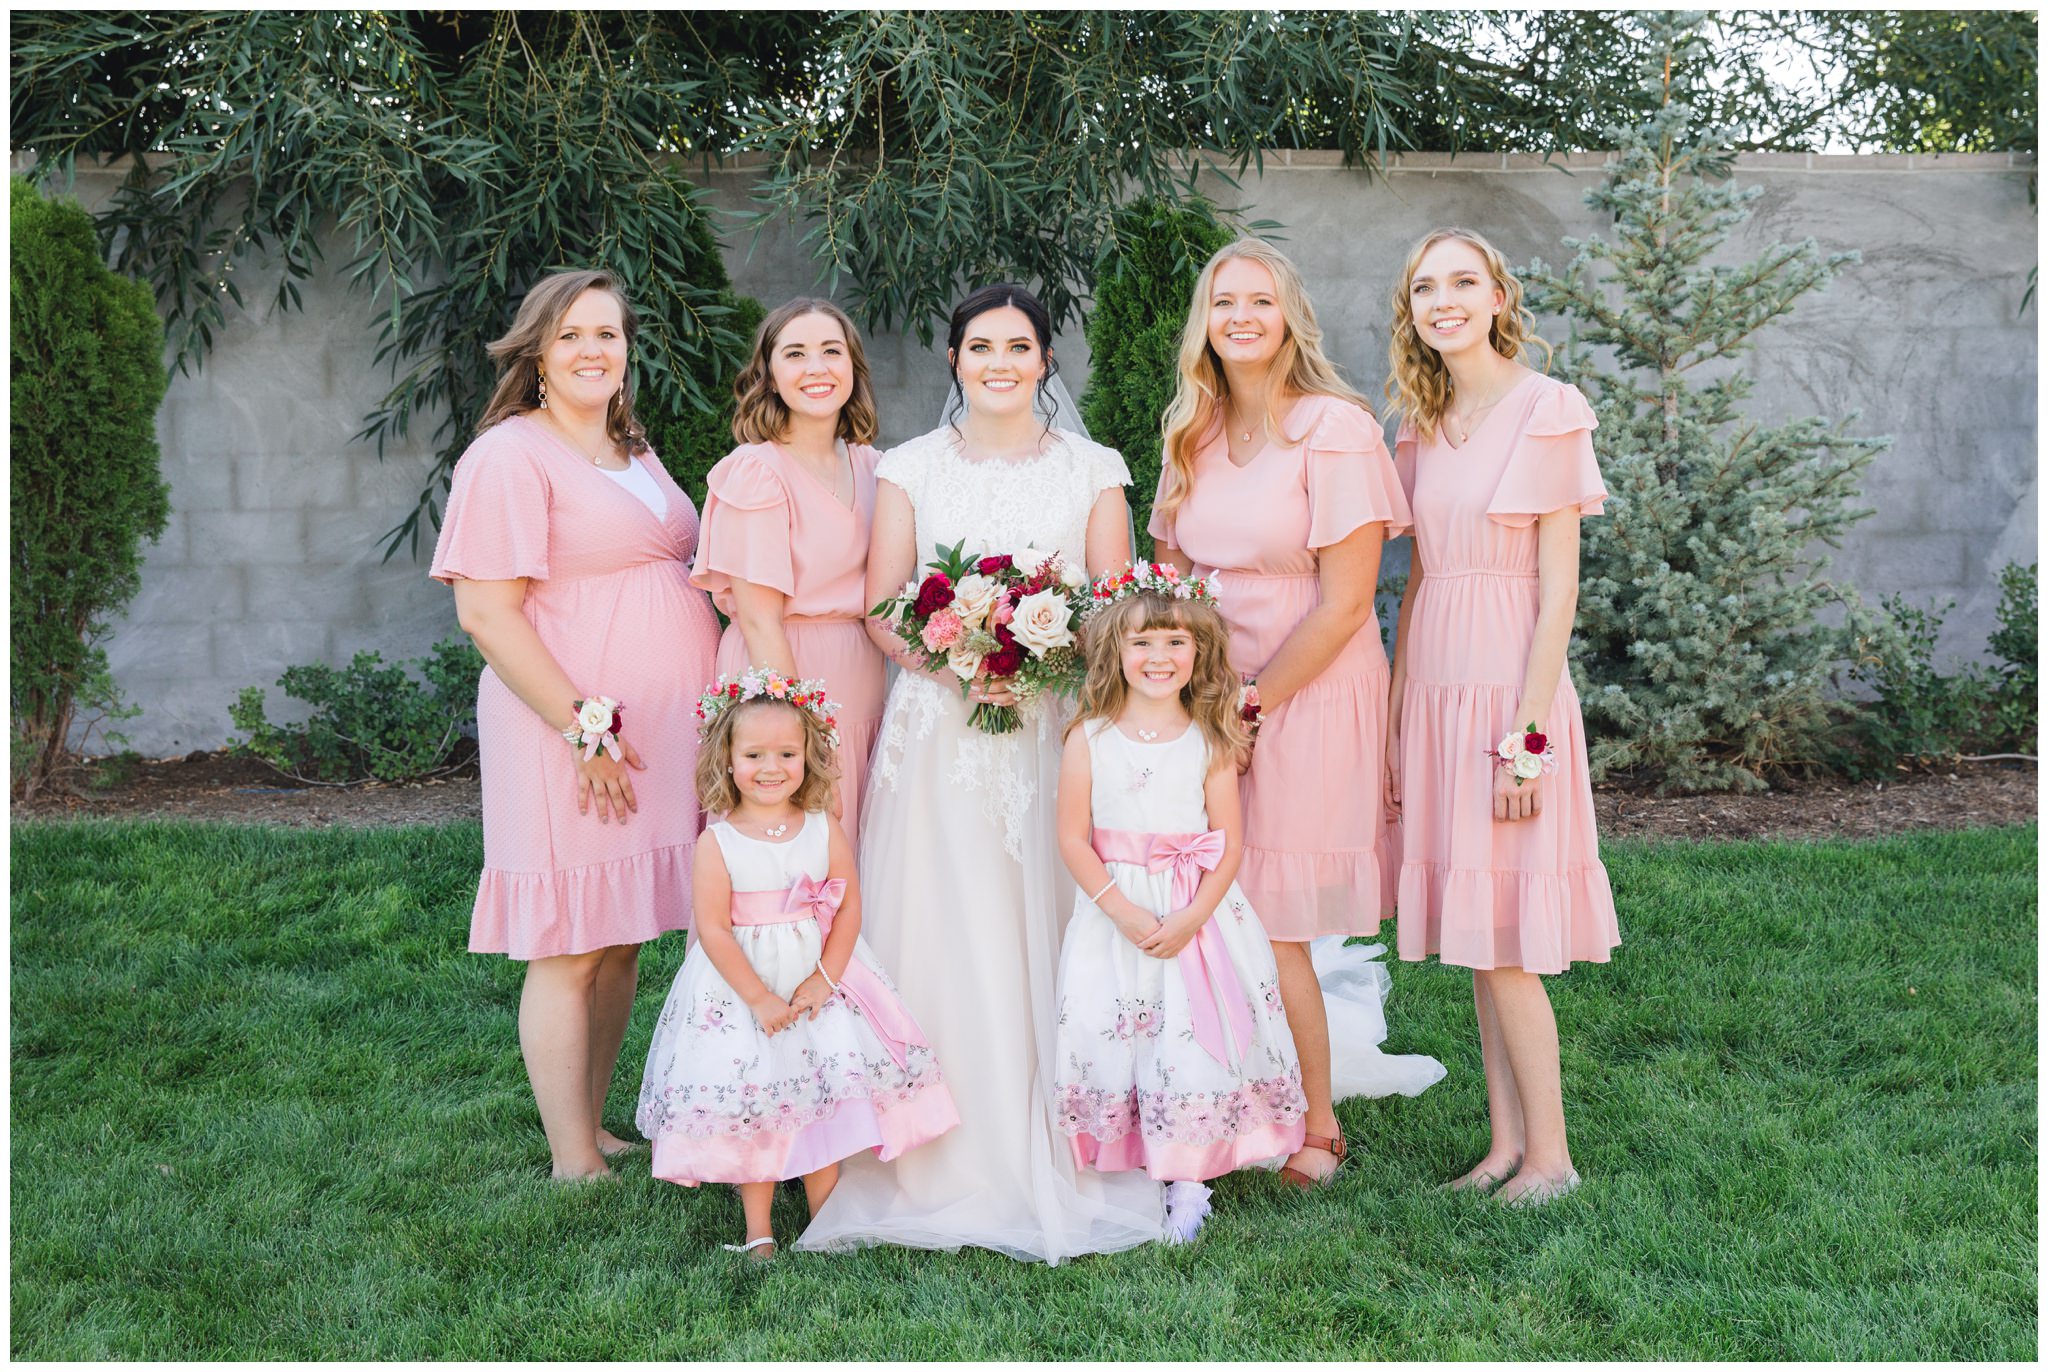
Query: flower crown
pixel 763 683
pixel 1153 578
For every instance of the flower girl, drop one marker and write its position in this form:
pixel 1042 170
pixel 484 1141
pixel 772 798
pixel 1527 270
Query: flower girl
pixel 782 1047
pixel 1174 1053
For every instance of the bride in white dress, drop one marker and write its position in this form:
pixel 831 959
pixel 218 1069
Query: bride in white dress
pixel 958 865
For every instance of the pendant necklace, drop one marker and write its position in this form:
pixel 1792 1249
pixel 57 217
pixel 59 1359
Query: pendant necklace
pixel 1147 735
pixel 777 831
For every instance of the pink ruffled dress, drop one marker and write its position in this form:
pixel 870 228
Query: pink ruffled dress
pixel 608 591
pixel 1319 856
pixel 769 521
pixel 1477 892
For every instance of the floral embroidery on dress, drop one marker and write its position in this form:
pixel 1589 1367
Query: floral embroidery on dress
pixel 1181 1117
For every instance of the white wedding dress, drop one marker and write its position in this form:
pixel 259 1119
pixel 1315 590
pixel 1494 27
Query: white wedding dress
pixel 963 898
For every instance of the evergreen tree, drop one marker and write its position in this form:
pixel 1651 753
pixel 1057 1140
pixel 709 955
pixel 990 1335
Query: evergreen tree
pixel 1709 632
pixel 1141 304
pixel 87 376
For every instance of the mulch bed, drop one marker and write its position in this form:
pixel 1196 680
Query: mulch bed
pixel 222 787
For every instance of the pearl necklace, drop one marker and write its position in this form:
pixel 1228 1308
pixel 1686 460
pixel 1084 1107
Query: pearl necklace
pixel 1147 735
pixel 777 831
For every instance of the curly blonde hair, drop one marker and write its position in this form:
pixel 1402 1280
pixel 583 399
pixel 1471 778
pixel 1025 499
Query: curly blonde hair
pixel 718 793
pixel 759 416
pixel 1418 383
pixel 1210 697
pixel 518 354
pixel 1299 368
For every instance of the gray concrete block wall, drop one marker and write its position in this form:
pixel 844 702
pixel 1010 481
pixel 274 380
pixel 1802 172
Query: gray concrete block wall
pixel 272 555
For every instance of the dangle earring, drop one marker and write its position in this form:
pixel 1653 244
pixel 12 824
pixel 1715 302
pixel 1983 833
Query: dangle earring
pixel 541 384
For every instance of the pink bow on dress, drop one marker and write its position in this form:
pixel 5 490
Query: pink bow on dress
pixel 858 985
pixel 1204 964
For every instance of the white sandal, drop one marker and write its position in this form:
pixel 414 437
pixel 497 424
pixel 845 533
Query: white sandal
pixel 749 1245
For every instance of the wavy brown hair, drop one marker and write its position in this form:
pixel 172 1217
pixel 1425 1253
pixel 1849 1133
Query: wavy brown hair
pixel 1418 383
pixel 518 354
pixel 759 415
pixel 718 793
pixel 1210 697
pixel 1299 368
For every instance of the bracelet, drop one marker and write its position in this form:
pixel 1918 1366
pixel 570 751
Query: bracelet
pixel 827 976
pixel 599 721
pixel 1105 886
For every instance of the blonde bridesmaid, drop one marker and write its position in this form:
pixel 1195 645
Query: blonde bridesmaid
pixel 1276 475
pixel 568 549
pixel 786 521
pixel 1501 870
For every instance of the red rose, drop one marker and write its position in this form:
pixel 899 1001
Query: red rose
pixel 1535 743
pixel 617 710
pixel 1008 656
pixel 989 566
pixel 935 595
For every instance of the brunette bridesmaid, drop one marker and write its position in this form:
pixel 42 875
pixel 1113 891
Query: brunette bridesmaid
pixel 1501 869
pixel 1276 475
pixel 786 520
pixel 568 548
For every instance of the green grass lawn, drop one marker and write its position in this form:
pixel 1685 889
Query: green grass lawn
pixel 265 1106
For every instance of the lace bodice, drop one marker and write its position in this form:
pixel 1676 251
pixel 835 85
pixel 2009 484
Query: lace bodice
pixel 1000 507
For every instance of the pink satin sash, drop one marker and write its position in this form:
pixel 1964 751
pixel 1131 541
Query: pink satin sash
pixel 859 986
pixel 1204 964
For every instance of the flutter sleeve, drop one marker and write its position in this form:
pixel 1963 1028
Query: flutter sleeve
pixel 496 525
pixel 746 531
pixel 1106 468
pixel 1351 479
pixel 1407 440
pixel 1551 466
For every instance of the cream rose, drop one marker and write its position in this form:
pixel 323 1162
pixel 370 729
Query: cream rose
pixel 965 661
pixel 1528 766
pixel 596 715
pixel 973 594
pixel 1510 746
pixel 1029 559
pixel 1040 623
pixel 1074 577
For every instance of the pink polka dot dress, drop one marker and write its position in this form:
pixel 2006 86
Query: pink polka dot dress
pixel 1475 891
pixel 769 521
pixel 1319 854
pixel 608 591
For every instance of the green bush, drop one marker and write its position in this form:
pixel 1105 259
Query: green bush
pixel 690 439
pixel 369 720
pixel 1141 303
pixel 87 375
pixel 1919 716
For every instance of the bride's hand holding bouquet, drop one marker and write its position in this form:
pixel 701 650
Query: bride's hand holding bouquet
pixel 1003 623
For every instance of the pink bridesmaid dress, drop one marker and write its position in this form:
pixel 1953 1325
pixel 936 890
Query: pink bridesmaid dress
pixel 608 591
pixel 1319 856
pixel 1477 892
pixel 769 521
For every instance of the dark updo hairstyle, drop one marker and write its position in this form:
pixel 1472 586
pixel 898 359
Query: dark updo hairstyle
pixel 1002 295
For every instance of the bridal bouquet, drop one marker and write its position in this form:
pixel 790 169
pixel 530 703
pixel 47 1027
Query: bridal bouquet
pixel 1009 617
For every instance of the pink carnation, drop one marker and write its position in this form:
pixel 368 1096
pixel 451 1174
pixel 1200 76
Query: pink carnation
pixel 942 631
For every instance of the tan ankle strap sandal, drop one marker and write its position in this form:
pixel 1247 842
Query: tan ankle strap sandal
pixel 1336 1147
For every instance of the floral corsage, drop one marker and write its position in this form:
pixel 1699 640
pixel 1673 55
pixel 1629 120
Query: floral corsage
pixel 1248 706
pixel 598 721
pixel 1526 753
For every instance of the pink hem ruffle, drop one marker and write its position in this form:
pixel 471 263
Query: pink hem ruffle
pixel 1303 896
pixel 1165 1160
pixel 529 915
pixel 1538 921
pixel 764 1155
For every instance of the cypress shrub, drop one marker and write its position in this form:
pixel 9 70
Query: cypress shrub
pixel 88 376
pixel 1155 253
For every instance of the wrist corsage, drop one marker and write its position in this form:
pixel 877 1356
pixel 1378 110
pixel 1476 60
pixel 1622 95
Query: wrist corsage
pixel 1248 706
pixel 1526 753
pixel 597 725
